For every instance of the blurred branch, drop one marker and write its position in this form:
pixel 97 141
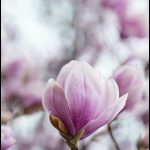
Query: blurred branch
pixel 93 139
pixel 112 137
pixel 98 135
pixel 32 109
pixel 147 68
pixel 5 117
pixel 8 116
pixel 143 143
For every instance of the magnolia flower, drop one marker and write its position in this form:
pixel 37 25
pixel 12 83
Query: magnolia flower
pixel 82 99
pixel 130 79
pixel 7 139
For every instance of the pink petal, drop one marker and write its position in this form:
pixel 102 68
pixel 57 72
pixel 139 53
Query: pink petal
pixel 61 79
pixel 54 102
pixel 84 93
pixel 129 77
pixel 106 117
pixel 130 80
pixel 124 77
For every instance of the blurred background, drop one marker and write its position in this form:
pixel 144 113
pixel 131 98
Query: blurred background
pixel 39 36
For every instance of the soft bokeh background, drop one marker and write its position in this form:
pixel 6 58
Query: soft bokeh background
pixel 40 36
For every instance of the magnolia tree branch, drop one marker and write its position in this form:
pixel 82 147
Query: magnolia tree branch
pixel 7 116
pixel 112 137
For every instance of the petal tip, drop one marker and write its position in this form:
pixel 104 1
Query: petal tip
pixel 51 83
pixel 124 97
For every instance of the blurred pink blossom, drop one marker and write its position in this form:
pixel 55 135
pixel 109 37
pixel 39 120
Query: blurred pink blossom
pixel 7 139
pixel 21 85
pixel 130 24
pixel 130 79
pixel 119 6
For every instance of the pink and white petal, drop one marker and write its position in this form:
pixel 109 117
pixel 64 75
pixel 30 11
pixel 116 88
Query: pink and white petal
pixel 112 93
pixel 106 117
pixel 61 79
pixel 120 105
pixel 125 72
pixel 55 103
pixel 84 93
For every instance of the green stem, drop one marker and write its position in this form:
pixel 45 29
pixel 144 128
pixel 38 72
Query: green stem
pixel 141 148
pixel 73 143
pixel 74 148
pixel 112 137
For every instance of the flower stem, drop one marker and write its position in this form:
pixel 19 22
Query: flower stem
pixel 141 148
pixel 112 137
pixel 74 148
pixel 73 143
